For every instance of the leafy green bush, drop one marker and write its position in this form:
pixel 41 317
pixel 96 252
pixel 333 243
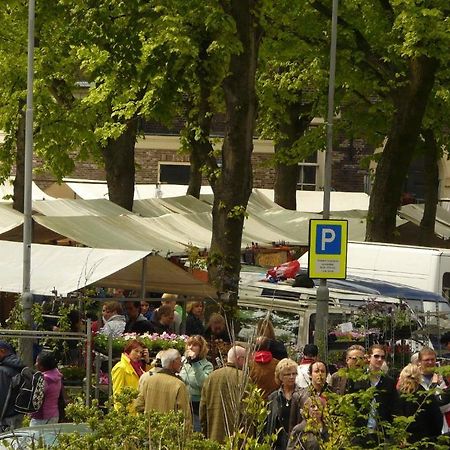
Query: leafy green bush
pixel 119 429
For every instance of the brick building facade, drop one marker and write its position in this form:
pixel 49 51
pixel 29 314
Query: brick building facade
pixel 157 151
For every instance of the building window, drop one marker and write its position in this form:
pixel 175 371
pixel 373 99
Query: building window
pixel 173 173
pixel 307 178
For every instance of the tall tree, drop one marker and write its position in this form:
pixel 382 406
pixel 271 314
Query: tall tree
pixel 399 47
pixel 291 83
pixel 233 185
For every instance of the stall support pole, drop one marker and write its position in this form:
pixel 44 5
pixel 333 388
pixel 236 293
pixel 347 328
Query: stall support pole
pixel 143 277
pixel 88 361
pixel 109 366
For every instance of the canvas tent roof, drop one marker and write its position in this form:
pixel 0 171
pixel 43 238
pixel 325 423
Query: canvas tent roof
pixel 120 232
pixel 79 207
pixel 312 201
pixel 7 190
pixel 414 213
pixel 9 218
pixel 67 269
pixel 182 205
pixel 91 189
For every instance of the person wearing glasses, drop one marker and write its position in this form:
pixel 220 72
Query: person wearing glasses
pixel 354 359
pixel 280 402
pixel 385 401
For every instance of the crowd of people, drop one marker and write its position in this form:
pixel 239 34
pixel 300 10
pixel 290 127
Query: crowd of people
pixel 297 394
pixel 208 386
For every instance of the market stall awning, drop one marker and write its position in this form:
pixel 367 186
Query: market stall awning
pixel 9 218
pixel 120 232
pixel 67 269
pixel 79 207
pixel 414 213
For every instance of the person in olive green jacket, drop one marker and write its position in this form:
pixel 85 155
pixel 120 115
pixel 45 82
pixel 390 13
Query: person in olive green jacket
pixel 221 398
pixel 164 391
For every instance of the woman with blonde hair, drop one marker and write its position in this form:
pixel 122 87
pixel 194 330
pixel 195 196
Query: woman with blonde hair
pixel 415 401
pixel 265 328
pixel 280 402
pixel 195 371
pixel 194 318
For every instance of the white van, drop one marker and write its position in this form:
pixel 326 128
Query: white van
pixel 293 309
pixel 421 267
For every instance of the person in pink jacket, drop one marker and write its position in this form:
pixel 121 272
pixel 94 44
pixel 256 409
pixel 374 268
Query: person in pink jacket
pixel 48 412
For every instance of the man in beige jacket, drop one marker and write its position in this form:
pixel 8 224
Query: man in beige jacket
pixel 164 391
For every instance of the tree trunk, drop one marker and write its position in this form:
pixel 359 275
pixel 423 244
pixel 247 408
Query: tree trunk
pixel 19 180
pixel 285 187
pixel 286 176
pixel 118 156
pixel 233 186
pixel 410 102
pixel 199 130
pixel 431 169
pixel 195 174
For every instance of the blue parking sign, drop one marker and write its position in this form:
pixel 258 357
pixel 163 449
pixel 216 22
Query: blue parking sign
pixel 327 248
pixel 329 239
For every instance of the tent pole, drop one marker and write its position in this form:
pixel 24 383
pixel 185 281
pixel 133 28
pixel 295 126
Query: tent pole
pixel 143 277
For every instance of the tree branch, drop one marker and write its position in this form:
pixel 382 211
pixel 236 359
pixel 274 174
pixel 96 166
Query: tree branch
pixel 373 60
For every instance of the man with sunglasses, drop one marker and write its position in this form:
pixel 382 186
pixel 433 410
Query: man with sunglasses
pixel 385 400
pixel 354 359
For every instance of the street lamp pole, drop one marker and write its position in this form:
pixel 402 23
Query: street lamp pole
pixel 26 346
pixel 323 294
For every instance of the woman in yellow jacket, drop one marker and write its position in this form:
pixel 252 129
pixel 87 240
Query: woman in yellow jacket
pixel 132 365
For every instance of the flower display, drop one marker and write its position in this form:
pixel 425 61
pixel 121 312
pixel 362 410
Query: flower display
pixel 354 335
pixel 153 341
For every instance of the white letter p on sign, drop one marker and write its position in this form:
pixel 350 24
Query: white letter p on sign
pixel 328 235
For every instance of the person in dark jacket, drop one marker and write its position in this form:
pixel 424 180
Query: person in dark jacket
pixel 317 372
pixel 277 348
pixel 312 431
pixel 194 318
pixel 162 320
pixel 280 402
pixel 416 402
pixel 10 365
pixel 136 322
pixel 217 329
pixel 385 401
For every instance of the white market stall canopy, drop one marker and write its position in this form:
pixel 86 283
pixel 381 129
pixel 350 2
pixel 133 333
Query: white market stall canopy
pixel 80 207
pixel 119 232
pixel 7 191
pixel 414 213
pixel 67 269
pixel 91 189
pixel 312 201
pixel 9 218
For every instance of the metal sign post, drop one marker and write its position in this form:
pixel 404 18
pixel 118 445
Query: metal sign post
pixel 323 294
pixel 26 346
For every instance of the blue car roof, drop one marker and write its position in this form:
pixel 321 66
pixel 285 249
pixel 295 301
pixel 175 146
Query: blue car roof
pixel 371 286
